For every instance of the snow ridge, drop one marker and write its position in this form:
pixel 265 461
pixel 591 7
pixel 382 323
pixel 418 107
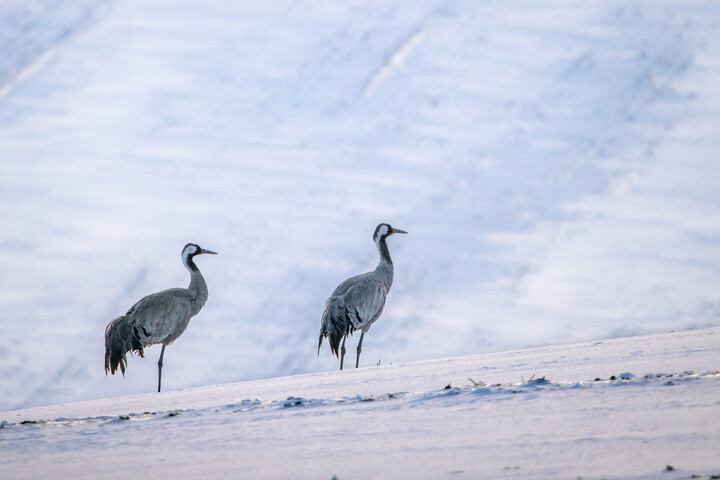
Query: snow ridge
pixel 466 393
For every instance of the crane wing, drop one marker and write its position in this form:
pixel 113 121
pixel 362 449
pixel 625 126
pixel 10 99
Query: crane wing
pixel 342 289
pixel 365 300
pixel 161 317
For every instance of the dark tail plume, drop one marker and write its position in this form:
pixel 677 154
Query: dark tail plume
pixel 335 326
pixel 120 338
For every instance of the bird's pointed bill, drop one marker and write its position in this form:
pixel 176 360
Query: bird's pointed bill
pixel 397 230
pixel 202 250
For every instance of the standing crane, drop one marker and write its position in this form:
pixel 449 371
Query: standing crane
pixel 358 301
pixel 158 318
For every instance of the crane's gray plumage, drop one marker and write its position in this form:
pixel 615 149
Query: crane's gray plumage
pixel 159 318
pixel 358 301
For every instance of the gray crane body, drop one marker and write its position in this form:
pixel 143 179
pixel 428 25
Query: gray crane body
pixel 159 318
pixel 358 301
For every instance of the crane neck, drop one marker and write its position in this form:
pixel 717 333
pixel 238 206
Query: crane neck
pixel 383 251
pixel 190 264
pixel 197 287
pixel 385 269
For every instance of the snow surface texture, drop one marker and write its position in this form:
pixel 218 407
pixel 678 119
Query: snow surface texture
pixel 555 164
pixel 629 408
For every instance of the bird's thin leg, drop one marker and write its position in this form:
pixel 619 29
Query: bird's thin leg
pixel 357 361
pixel 342 352
pixel 160 364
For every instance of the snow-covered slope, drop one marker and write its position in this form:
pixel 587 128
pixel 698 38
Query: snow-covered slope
pixel 555 164
pixel 630 408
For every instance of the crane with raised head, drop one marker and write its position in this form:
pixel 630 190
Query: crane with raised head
pixel 159 318
pixel 358 301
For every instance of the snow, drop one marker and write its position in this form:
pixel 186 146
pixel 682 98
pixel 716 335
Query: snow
pixel 554 163
pixel 621 408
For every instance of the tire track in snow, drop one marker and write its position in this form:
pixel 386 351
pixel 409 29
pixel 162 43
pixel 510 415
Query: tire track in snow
pixel 34 31
pixel 394 62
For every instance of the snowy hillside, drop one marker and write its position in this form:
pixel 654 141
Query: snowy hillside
pixel 630 408
pixel 555 164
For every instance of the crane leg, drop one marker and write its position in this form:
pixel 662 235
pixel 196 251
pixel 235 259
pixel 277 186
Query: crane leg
pixel 357 360
pixel 342 352
pixel 160 364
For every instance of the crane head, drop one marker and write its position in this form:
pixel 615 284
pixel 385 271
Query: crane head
pixel 192 249
pixel 384 230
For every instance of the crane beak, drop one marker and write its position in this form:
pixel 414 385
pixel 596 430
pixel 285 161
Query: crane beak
pixel 397 230
pixel 202 250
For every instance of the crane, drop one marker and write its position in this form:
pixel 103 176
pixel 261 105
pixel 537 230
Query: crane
pixel 157 318
pixel 358 301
